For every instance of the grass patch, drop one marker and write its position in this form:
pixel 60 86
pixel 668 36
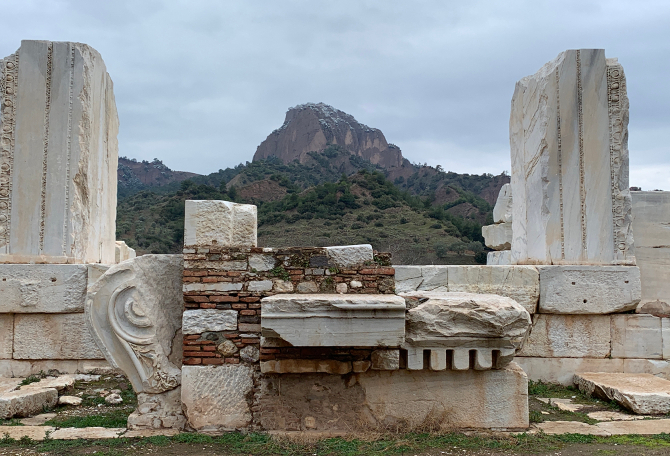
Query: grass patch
pixel 117 418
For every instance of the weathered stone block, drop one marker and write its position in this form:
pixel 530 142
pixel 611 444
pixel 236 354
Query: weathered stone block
pixel 569 148
pixel 221 223
pixel 588 289
pixel 563 370
pixel 498 236
pixel 215 398
pixel 305 366
pixel 53 336
pixel 402 399
pixel 260 285
pixel 43 288
pixel 158 411
pixel 198 321
pixel 349 256
pixel 643 394
pixel 27 402
pixel 6 335
pixel 324 320
pixel 385 359
pixel 122 252
pixel 568 336
pixel 59 155
pixel 502 211
pixel 261 263
pixel 215 286
pixel 500 258
pixel 651 223
pixel 636 336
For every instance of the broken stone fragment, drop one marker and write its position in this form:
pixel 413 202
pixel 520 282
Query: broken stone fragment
pixel 69 400
pixel 502 211
pixel 113 399
pixel 656 308
pixel 644 394
pixel 28 402
pixel 498 237
pixel 220 223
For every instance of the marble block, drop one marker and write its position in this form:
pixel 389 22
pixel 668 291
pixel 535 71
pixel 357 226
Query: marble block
pixel 569 336
pixel 651 223
pixel 58 167
pixel 134 311
pixel 643 394
pixel 54 336
pixel 198 321
pixel 43 288
pixel 349 256
pixel 569 150
pixel 6 335
pixel 122 252
pixel 215 398
pixel 334 320
pixel 502 211
pixel 499 258
pixel 220 223
pixel 637 336
pixel 563 370
pixel 498 236
pixel 588 289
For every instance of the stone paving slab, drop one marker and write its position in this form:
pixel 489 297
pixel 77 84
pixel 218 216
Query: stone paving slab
pixel 570 427
pixel 644 394
pixel 87 433
pixel 33 432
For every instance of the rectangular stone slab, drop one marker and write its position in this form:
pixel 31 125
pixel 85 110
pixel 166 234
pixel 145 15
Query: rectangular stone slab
pixel 323 320
pixel 6 335
pixel 42 288
pixel 637 336
pixel 568 336
pixel 644 394
pixel 588 289
pixel 53 336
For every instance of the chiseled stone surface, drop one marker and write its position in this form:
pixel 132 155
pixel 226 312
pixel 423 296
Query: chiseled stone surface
pixel 198 321
pixel 498 236
pixel 499 258
pixel 403 400
pixel 215 398
pixel 63 153
pixel 651 224
pixel 502 211
pixel 6 335
pixel 588 289
pixel 568 336
pixel 569 150
pixel 332 320
pixel 643 394
pixel 54 336
pixel 349 256
pixel 563 370
pixel 43 288
pixel 464 316
pixel 521 283
pixel 636 336
pixel 27 402
pixel 221 223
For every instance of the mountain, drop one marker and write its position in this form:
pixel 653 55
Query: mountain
pixel 135 176
pixel 312 127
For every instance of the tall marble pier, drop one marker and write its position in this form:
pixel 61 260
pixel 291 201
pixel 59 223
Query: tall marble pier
pixel 58 155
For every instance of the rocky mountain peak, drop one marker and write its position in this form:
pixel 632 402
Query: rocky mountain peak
pixel 311 127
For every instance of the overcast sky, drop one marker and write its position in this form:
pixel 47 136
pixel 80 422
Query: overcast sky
pixel 200 84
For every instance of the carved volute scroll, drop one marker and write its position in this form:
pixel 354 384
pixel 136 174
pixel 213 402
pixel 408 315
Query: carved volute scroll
pixel 134 312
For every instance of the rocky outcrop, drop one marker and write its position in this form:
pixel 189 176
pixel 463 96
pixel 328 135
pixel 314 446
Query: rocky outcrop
pixel 312 127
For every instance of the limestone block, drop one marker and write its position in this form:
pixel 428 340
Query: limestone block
pixel 226 224
pixel 43 288
pixel 260 285
pixel 643 394
pixel 498 236
pixel 25 368
pixel 385 359
pixel 158 411
pixel 198 321
pixel 53 336
pixel 6 335
pixel 499 258
pixel 659 368
pixel 502 211
pixel 134 312
pixel 122 252
pixel 215 286
pixel 464 317
pixel 27 402
pixel 651 223
pixel 307 287
pixel 588 289
pixel 349 256
pixel 568 336
pixel 569 150
pixel 261 263
pixel 332 320
pixel 305 366
pixel 521 283
pixel 636 336
pixel 69 400
pixel 375 400
pixel 59 155
pixel 282 286
pixel 215 398
pixel 563 370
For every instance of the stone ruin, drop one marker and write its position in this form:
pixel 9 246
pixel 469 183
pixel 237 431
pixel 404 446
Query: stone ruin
pixel 232 336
